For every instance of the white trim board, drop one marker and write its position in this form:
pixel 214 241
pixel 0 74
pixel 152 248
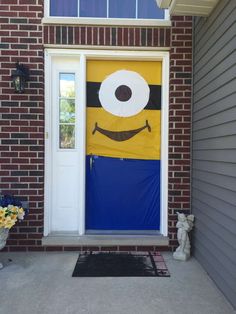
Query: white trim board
pixel 82 56
pixel 86 47
pixel 105 21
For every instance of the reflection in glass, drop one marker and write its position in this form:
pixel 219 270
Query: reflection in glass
pixel 122 8
pixel 62 8
pixel 93 8
pixel 148 9
pixel 67 85
pixel 67 110
pixel 67 136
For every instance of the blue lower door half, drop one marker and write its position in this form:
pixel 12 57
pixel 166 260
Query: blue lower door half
pixel 122 194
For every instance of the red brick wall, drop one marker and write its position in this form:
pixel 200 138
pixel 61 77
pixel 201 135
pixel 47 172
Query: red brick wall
pixel 179 120
pixel 22 116
pixel 107 36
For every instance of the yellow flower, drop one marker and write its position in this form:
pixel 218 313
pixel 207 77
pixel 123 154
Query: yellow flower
pixel 2 222
pixel 9 215
pixel 8 223
pixel 13 216
pixel 2 212
pixel 21 213
pixel 21 210
pixel 14 209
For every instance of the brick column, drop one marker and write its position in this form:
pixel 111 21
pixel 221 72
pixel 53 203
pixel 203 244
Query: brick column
pixel 22 116
pixel 179 120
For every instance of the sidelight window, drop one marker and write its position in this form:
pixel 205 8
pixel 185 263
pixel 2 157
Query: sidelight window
pixel 67 111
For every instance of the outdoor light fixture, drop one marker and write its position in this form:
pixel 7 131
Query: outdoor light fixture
pixel 19 77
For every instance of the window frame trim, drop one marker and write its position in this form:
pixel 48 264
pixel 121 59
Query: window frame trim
pixel 47 19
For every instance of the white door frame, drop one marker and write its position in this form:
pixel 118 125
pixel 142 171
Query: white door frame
pixel 84 55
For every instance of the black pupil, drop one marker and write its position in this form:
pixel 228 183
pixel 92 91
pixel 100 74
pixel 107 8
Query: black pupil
pixel 123 93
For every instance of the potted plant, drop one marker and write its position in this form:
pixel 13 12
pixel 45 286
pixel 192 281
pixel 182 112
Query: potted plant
pixel 11 211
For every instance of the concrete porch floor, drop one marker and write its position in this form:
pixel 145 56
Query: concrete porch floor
pixel 41 283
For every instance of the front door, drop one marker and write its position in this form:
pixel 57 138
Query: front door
pixel 123 145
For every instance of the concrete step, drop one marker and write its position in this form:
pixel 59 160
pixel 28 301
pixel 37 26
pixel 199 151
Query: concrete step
pixel 69 239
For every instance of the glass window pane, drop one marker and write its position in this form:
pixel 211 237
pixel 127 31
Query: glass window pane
pixel 63 7
pixel 67 85
pixel 122 8
pixel 67 136
pixel 93 8
pixel 67 110
pixel 148 9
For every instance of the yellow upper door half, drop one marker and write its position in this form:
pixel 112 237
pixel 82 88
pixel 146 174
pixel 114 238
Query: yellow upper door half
pixel 124 108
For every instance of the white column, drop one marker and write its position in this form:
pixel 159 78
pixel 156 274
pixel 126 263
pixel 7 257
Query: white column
pixel 81 118
pixel 164 144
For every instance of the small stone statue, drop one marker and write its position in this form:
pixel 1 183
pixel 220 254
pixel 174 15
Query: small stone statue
pixel 184 225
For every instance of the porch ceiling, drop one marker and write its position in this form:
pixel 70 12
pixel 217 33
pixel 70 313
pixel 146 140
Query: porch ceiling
pixel 188 7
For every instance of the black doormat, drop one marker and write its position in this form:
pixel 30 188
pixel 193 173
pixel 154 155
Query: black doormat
pixel 120 264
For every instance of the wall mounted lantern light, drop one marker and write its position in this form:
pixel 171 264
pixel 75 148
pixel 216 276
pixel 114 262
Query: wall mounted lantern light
pixel 19 77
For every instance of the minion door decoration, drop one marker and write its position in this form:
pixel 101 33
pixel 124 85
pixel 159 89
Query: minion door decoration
pixel 123 145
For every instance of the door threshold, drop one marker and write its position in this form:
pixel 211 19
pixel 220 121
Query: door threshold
pixel 69 239
pixel 122 232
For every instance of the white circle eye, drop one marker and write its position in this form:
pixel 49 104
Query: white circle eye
pixel 124 93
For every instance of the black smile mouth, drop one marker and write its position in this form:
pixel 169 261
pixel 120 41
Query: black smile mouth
pixel 121 136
